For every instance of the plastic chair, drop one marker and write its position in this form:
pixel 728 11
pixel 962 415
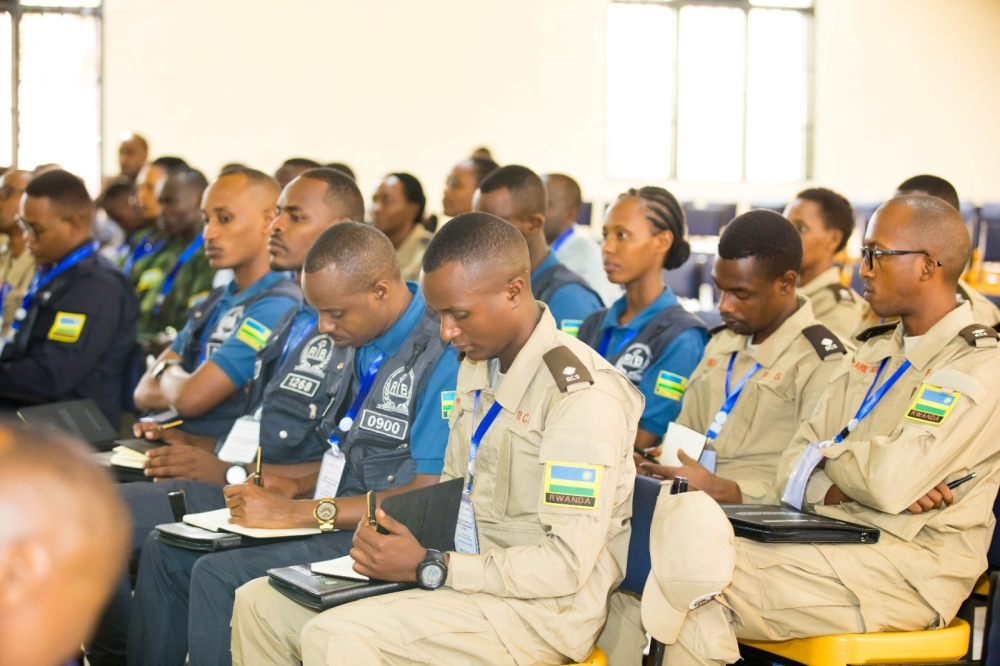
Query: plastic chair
pixel 898 647
pixel 991 634
pixel 988 241
pixel 596 658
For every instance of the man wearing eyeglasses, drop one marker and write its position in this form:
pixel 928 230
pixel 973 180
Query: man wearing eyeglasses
pixel 17 265
pixel 76 324
pixel 904 439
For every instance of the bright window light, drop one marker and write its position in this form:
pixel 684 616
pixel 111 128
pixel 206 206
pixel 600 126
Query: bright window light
pixel 710 94
pixel 639 91
pixel 60 95
pixel 777 94
pixel 6 119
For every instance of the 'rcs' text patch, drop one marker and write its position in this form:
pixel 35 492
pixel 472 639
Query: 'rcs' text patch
pixel 572 485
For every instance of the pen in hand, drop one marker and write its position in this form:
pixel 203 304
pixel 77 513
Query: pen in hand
pixel 957 482
pixel 256 475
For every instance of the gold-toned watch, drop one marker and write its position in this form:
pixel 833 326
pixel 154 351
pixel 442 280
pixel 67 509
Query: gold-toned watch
pixel 326 513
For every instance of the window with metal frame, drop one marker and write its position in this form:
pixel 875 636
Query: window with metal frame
pixel 710 90
pixel 50 95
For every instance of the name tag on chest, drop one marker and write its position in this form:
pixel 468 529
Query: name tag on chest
pixel 389 426
pixel 300 384
pixel 242 442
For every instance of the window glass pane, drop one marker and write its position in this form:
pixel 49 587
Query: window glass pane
pixel 6 121
pixel 640 89
pixel 61 3
pixel 777 92
pixel 802 4
pixel 60 95
pixel 710 94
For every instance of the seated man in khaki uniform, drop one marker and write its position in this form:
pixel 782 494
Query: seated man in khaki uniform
pixel 885 460
pixel 825 221
pixel 771 337
pixel 534 588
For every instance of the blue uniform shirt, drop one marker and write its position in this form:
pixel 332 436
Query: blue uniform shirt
pixel 680 357
pixel 429 436
pixel 571 303
pixel 238 353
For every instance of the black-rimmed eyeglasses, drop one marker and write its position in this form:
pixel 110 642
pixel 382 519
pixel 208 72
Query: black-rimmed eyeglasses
pixel 868 255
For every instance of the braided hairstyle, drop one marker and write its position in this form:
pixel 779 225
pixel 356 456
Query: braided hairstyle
pixel 665 214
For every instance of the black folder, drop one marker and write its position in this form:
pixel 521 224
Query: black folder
pixel 778 524
pixel 82 419
pixel 189 537
pixel 431 515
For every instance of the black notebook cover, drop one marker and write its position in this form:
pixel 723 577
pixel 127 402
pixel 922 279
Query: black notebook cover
pixel 431 515
pixel 82 419
pixel 189 537
pixel 777 524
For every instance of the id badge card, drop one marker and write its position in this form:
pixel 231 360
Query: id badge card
pixel 466 532
pixel 331 470
pixel 242 441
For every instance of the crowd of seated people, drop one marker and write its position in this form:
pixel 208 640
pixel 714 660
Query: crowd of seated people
pixel 509 348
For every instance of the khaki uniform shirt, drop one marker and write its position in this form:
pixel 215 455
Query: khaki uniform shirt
pixel 903 448
pixel 18 272
pixel 983 310
pixel 775 399
pixel 411 253
pixel 551 553
pixel 837 307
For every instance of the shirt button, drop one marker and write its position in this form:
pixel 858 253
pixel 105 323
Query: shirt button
pixel 391 479
pixel 283 434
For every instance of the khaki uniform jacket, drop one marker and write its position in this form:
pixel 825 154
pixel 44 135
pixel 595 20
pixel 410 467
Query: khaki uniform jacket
pixel 18 272
pixel 983 310
pixel 411 252
pixel 792 377
pixel 554 564
pixel 837 307
pixel 891 459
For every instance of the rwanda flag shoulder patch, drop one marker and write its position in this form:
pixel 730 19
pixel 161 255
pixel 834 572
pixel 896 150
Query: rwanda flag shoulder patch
pixel 253 333
pixel 447 403
pixel 571 484
pixel 932 405
pixel 670 386
pixel 570 326
pixel 67 327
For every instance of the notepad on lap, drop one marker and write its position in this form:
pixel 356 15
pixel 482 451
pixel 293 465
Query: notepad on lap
pixel 681 438
pixel 123 456
pixel 218 521
pixel 342 567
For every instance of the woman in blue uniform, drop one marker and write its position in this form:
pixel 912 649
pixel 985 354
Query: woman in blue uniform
pixel 646 333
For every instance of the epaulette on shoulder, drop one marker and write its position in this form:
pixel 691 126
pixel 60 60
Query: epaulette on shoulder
pixel 824 341
pixel 841 293
pixel 566 368
pixel 874 332
pixel 716 329
pixel 978 335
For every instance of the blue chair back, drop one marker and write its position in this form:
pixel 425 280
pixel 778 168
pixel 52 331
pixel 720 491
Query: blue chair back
pixel 991 634
pixel 643 503
pixel 988 240
pixel 583 218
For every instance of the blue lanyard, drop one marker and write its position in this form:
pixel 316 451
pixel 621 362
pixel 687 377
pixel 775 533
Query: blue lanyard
pixel 606 340
pixel 295 338
pixel 478 433
pixel 731 398
pixel 168 283
pixel 141 251
pixel 563 237
pixel 363 391
pixel 868 404
pixel 43 277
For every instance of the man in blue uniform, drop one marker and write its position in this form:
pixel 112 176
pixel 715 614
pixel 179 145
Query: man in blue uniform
pixel 77 323
pixel 516 194
pixel 204 374
pixel 389 438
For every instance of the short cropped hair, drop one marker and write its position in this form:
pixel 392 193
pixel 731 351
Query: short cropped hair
pixel 938 228
pixel 254 177
pixel 301 162
pixel 836 211
pixel 935 186
pixel 360 251
pixel 188 177
pixel 767 237
pixel 526 189
pixel 478 241
pixel 341 190
pixel 413 191
pixel 64 190
pixel 343 168
pixel 169 163
pixel 482 167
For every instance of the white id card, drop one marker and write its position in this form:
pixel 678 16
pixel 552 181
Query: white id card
pixel 466 533
pixel 330 472
pixel 242 441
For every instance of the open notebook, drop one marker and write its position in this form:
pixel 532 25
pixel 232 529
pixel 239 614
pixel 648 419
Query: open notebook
pixel 218 521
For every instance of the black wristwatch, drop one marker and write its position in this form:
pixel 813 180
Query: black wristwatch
pixel 432 571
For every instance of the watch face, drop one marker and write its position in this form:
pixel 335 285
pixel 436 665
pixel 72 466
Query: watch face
pixel 326 511
pixel 432 575
pixel 236 474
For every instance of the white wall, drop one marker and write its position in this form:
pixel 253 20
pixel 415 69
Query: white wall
pixel 902 87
